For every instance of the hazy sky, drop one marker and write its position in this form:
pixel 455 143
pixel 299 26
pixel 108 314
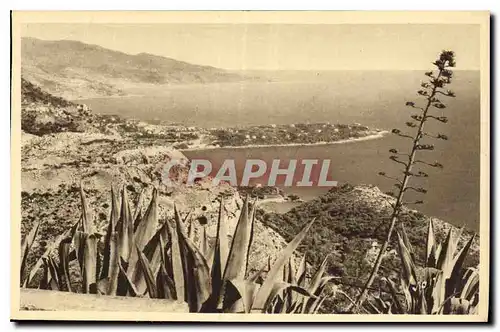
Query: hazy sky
pixel 280 46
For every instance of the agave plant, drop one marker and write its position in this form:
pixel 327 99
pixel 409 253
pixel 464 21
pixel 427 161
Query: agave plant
pixel 291 301
pixel 142 257
pixel 440 287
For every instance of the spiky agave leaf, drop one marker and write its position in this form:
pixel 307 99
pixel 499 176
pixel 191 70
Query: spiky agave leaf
pixel 64 258
pixel 113 220
pixel 204 245
pixel 49 278
pixel 446 253
pixel 177 256
pixel 408 265
pixel 220 254
pixel 90 264
pixel 130 289
pixel 459 259
pixel 229 264
pixel 51 246
pixel 430 254
pixel 302 271
pixel 114 264
pixel 26 245
pixel 397 306
pixel 268 285
pixel 148 274
pixel 165 285
pixel 470 281
pixel 143 234
pixel 153 251
pixel 277 288
pixel 237 289
pixel 240 245
pixel 198 271
pixel 316 279
pixel 409 277
pixel 87 221
pixel 138 208
pixel 124 228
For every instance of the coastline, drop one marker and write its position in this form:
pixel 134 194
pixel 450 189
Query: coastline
pixel 201 147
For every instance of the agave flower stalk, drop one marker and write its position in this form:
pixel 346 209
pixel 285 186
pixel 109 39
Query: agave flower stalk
pixel 430 91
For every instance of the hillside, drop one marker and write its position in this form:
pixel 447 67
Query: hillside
pixel 73 69
pixel 351 224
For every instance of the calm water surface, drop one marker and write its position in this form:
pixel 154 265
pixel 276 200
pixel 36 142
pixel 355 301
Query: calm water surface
pixel 374 99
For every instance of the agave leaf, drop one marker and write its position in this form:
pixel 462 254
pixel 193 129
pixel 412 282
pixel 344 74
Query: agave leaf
pixel 148 274
pixel 26 246
pixel 114 264
pixel 318 304
pixel 242 291
pixel 204 246
pixel 459 306
pixel 407 242
pixel 53 275
pixel 52 245
pixel 302 272
pixel 113 220
pixel 64 281
pixel 291 270
pixel 408 266
pixel 277 288
pixel 256 275
pixel 153 251
pixel 458 261
pixel 87 223
pixel 165 285
pixel 313 304
pixel 89 264
pixel 124 228
pixel 323 282
pixel 394 295
pixel 129 285
pixel 138 208
pixel 446 254
pixel 44 281
pixel 268 285
pixel 471 285
pixel 199 274
pixel 238 254
pixel 78 240
pixel 430 255
pixel 145 231
pixel 177 257
pixel 284 272
pixel 317 291
pixel 316 279
pixel 191 227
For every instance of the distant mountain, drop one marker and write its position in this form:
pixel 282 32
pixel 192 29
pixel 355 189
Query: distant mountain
pixel 73 70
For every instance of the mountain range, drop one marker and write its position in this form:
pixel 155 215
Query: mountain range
pixel 74 70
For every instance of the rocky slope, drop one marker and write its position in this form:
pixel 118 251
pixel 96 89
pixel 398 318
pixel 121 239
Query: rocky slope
pixel 76 70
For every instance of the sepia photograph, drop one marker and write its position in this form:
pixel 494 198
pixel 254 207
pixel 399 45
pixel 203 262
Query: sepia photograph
pixel 250 166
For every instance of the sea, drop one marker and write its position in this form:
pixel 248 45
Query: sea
pixel 372 98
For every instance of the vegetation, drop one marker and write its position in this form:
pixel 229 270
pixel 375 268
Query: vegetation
pixel 139 257
pixel 440 287
pixel 431 90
